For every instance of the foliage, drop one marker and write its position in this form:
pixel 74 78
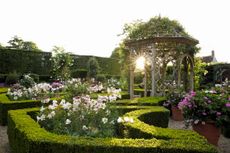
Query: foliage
pixel 79 73
pixel 174 95
pixel 12 78
pixel 217 72
pixel 3 90
pixel 122 54
pixel 199 71
pixel 18 43
pixel 61 63
pixel 101 77
pixel 27 81
pixel 93 67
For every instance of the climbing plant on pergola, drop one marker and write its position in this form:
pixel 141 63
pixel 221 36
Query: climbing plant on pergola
pixel 173 47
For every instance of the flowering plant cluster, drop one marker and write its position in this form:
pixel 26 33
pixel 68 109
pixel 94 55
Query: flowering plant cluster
pixel 113 83
pixel 27 81
pixel 36 92
pixel 204 106
pixel 81 115
pixel 174 95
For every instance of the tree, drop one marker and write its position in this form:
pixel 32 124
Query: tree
pixel 18 43
pixel 157 26
pixel 93 67
pixel 61 63
pixel 30 46
pixel 1 46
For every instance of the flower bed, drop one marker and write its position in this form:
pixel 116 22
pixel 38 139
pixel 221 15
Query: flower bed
pixel 26 135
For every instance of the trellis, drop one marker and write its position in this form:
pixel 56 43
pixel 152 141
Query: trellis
pixel 161 51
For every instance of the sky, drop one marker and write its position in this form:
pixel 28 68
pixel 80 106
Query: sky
pixel 91 27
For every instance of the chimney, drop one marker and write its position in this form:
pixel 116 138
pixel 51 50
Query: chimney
pixel 213 53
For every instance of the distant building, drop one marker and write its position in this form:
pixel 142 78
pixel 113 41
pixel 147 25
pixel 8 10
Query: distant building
pixel 209 59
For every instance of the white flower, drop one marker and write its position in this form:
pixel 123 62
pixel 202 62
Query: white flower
pixel 41 118
pixel 66 105
pixel 131 120
pixel 196 121
pixel 67 121
pixel 126 119
pixel 45 100
pixel 119 120
pixel 15 97
pixel 104 120
pixel 62 102
pixel 42 109
pixel 84 127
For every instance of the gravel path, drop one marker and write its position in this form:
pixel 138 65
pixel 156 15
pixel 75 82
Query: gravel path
pixel 4 145
pixel 224 143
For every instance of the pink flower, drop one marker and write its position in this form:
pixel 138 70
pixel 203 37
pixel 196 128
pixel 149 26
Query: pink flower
pixel 218 113
pixel 227 104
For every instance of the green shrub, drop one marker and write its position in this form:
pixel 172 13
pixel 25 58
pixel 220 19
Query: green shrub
pixel 12 78
pixel 79 73
pixel 101 77
pixel 2 77
pixel 145 101
pixel 35 77
pixel 26 136
pixel 3 90
pixel 27 81
pixel 93 67
pixel 45 78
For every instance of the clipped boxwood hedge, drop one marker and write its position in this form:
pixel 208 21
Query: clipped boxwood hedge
pixel 26 136
pixel 146 101
pixel 6 105
pixel 3 90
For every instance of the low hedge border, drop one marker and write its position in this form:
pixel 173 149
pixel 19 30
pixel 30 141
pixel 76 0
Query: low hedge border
pixel 26 136
pixel 145 101
pixel 151 123
pixel 3 90
pixel 6 105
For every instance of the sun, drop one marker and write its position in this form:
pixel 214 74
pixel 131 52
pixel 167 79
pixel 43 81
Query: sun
pixel 140 63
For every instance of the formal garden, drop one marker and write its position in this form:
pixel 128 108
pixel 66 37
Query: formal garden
pixel 151 96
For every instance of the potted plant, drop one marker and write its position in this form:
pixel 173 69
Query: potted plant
pixel 174 96
pixel 204 111
pixel 224 89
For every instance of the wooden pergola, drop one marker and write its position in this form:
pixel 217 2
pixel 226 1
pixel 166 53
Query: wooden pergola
pixel 161 50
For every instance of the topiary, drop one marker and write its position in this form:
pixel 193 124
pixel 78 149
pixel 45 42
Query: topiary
pixel 12 78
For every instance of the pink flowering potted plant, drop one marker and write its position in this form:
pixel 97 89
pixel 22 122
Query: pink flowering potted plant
pixel 204 111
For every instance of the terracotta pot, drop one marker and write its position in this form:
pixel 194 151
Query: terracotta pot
pixel 177 114
pixel 209 131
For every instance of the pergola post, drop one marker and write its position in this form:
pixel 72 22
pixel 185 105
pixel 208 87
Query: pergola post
pixel 145 80
pixel 153 58
pixel 131 76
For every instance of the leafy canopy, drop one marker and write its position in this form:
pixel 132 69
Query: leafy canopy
pixel 18 43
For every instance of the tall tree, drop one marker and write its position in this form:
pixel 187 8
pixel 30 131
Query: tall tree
pixel 61 63
pixel 18 43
